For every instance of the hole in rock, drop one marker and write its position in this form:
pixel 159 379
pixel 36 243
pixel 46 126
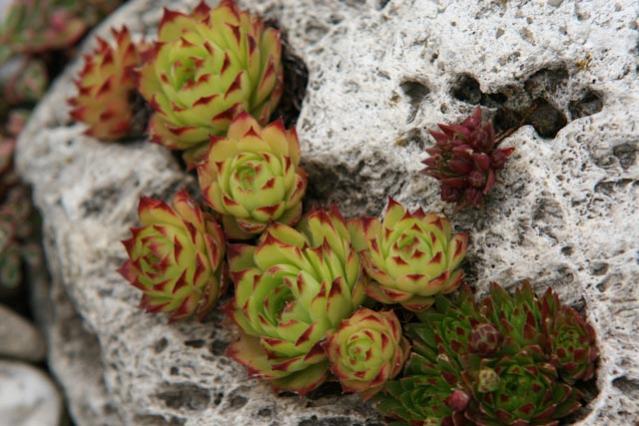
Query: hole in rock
pixel 546 119
pixel 382 4
pixel 466 89
pixel 295 82
pixel 156 420
pixel 626 154
pixel 416 91
pixel 184 395
pixel 590 103
pixel 531 103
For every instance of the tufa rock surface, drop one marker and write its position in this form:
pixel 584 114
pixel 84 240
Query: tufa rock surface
pixel 380 74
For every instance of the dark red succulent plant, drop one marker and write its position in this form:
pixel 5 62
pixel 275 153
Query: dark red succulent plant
pixel 465 159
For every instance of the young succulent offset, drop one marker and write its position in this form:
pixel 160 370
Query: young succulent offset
pixel 367 350
pixel 205 69
pixel 105 87
pixel 175 258
pixel 465 159
pixel 253 178
pixel 409 257
pixel 290 291
pixel 491 363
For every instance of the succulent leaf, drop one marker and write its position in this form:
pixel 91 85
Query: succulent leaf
pixel 105 87
pixel 409 257
pixel 175 258
pixel 367 350
pixel 206 68
pixel 466 159
pixel 253 178
pixel 291 290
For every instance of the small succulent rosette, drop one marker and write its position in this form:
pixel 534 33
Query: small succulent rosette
pixel 252 177
pixel 571 341
pixel 409 257
pixel 490 362
pixel 206 68
pixel 366 351
pixel 466 159
pixel 290 291
pixel 106 85
pixel 175 258
pixel 520 390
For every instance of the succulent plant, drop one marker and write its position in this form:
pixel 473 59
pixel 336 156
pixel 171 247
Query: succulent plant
pixel 466 159
pixel 175 258
pixel 290 291
pixel 20 252
pixel 205 69
pixel 34 26
pixel 367 350
pixel 409 257
pixel 23 80
pixel 571 340
pixel 105 88
pixel 491 362
pixel 252 177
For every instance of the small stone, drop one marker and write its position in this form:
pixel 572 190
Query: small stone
pixel 19 338
pixel 27 396
pixel 555 3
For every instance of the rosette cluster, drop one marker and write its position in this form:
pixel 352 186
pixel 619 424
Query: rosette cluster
pixel 175 258
pixel 409 256
pixel 106 86
pixel 252 177
pixel 206 68
pixel 497 362
pixel 466 159
pixel 291 289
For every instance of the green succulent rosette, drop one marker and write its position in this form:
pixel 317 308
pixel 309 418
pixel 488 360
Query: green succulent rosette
pixel 175 258
pixel 290 291
pixel 367 350
pixel 252 177
pixel 206 68
pixel 571 341
pixel 520 390
pixel 409 257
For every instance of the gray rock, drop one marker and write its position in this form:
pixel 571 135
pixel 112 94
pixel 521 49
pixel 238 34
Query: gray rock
pixel 380 74
pixel 19 338
pixel 27 397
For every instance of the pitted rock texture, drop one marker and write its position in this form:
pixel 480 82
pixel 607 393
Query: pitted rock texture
pixel 380 74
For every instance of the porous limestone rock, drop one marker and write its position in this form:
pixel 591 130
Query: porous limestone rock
pixel 381 72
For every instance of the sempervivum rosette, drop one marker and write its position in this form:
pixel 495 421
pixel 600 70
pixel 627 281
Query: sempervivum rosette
pixel 466 159
pixel 252 177
pixel 175 258
pixel 367 350
pixel 409 257
pixel 571 340
pixel 105 86
pixel 207 67
pixel 290 291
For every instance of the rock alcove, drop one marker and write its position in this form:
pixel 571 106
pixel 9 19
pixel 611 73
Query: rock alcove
pixel 380 73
